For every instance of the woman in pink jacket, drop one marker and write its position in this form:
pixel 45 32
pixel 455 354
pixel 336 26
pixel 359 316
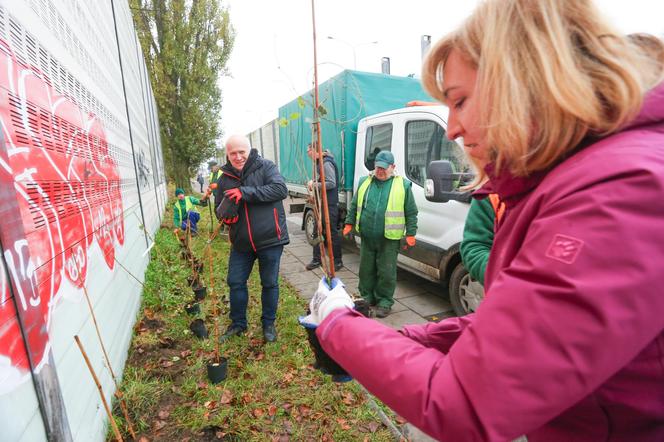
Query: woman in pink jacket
pixel 569 343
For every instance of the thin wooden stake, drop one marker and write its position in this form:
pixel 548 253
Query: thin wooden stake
pixel 319 148
pixel 118 436
pixel 118 393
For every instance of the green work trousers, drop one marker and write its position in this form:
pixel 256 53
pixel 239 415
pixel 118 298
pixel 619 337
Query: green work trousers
pixel 378 270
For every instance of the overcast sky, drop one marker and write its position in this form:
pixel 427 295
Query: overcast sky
pixel 272 61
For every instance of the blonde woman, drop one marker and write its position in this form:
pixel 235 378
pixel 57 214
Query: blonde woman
pixel 569 342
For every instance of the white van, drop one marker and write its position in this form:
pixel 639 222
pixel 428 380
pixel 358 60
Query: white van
pixel 416 136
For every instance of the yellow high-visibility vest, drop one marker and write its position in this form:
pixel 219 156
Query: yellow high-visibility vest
pixel 395 217
pixel 187 207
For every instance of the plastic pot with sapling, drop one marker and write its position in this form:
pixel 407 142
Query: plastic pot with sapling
pixel 200 292
pixel 217 370
pixel 193 281
pixel 193 308
pixel 198 328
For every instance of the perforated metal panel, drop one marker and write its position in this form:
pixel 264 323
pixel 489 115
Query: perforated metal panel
pixel 81 173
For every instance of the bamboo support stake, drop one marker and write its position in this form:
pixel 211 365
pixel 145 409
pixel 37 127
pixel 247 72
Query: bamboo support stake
pixel 118 393
pixel 118 436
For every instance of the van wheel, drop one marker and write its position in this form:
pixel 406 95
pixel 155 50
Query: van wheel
pixel 310 227
pixel 465 293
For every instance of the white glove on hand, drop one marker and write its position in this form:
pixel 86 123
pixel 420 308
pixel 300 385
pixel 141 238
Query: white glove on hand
pixel 325 301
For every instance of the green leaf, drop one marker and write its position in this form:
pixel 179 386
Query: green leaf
pixel 283 122
pixel 321 110
pixel 294 116
pixel 301 103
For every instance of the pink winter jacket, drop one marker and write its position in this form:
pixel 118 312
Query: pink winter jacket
pixel 569 342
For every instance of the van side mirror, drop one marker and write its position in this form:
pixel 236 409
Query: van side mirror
pixel 442 182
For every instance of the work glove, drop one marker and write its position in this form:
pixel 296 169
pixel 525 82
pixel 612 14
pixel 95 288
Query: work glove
pixel 234 194
pixel 227 210
pixel 326 299
pixel 410 241
pixel 230 220
pixel 347 229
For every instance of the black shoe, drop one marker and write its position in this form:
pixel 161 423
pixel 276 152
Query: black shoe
pixel 233 330
pixel 270 333
pixel 338 266
pixel 312 265
pixel 382 312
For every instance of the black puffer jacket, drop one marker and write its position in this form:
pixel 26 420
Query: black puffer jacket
pixel 262 220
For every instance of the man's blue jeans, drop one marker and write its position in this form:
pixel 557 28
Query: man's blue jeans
pixel 192 218
pixel 240 265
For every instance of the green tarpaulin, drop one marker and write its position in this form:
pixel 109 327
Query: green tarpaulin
pixel 345 99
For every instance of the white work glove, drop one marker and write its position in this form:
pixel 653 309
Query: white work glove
pixel 325 301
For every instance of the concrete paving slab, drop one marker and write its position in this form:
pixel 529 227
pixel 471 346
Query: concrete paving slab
pixel 291 268
pixel 408 288
pixel 398 320
pixel 301 251
pixel 426 304
pixel 398 307
pixel 352 266
pixel 296 278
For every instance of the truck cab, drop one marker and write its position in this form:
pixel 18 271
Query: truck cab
pixel 416 136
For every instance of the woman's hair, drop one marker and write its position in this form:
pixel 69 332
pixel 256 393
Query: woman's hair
pixel 550 72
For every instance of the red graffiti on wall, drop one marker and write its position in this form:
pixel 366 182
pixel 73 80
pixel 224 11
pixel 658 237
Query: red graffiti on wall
pixel 60 196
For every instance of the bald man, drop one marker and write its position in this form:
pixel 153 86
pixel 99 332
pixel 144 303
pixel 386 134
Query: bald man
pixel 249 199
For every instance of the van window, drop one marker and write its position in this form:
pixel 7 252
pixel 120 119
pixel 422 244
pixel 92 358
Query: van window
pixel 427 141
pixel 379 138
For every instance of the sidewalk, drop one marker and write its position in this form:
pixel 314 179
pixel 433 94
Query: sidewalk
pixel 417 300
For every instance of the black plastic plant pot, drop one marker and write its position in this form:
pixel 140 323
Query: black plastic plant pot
pixel 323 361
pixel 193 308
pixel 217 371
pixel 197 327
pixel 200 292
pixel 193 281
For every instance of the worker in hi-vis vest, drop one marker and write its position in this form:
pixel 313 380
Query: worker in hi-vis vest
pixel 185 215
pixel 383 211
pixel 215 174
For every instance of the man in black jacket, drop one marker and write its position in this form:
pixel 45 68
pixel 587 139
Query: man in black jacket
pixel 249 199
pixel 332 192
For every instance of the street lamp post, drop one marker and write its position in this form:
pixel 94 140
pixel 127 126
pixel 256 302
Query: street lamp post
pixel 352 47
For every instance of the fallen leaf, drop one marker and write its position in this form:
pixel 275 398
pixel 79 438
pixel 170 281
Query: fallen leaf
pixel 348 398
pixel 210 405
pixel 140 350
pixel 163 414
pixel 246 398
pixel 158 425
pixel 175 358
pixel 202 385
pixel 220 434
pixel 226 397
pixel 167 364
pixel 272 410
pixel 288 427
pixel 185 354
pixel 400 420
pixel 258 412
pixel 304 410
pixel 286 405
pixel 288 378
pixel 260 356
pixel 373 426
pixel 144 439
